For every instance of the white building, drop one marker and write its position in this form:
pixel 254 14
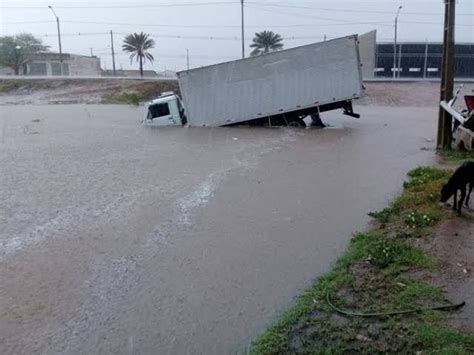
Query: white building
pixel 49 64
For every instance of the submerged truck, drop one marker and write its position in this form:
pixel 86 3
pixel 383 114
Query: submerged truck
pixel 274 89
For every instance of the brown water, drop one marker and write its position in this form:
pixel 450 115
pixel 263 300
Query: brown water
pixel 116 238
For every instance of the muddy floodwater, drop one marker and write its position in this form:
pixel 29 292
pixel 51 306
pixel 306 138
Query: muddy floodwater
pixel 116 238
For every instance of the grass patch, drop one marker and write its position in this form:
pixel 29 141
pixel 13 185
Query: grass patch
pixel 442 340
pixel 374 275
pixel 416 291
pixel 127 98
pixel 456 156
pixel 10 85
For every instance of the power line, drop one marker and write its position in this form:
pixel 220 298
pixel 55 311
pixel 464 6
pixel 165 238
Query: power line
pixel 259 7
pixel 210 3
pixel 127 6
pixel 347 10
pixel 218 38
pixel 26 22
pixel 191 26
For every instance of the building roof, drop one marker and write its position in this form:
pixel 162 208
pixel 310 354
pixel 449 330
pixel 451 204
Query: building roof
pixel 55 56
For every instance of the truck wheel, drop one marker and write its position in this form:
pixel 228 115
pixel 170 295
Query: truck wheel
pixel 299 123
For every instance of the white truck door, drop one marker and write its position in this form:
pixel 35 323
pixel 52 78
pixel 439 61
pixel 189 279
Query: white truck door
pixel 161 114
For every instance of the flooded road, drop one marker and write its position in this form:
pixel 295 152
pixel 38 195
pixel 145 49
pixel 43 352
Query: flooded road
pixel 117 238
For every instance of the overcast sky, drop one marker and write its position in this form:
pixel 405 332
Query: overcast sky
pixel 210 29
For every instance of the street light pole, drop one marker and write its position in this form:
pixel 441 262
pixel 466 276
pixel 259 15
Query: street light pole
pixel 113 52
pixel 187 58
pixel 59 40
pixel 243 31
pixel 395 44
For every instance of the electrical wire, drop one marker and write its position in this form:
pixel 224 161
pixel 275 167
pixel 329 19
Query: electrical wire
pixel 386 23
pixel 347 10
pixel 126 6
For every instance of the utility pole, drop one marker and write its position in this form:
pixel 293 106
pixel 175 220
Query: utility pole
pixel 243 31
pixel 187 58
pixel 59 40
pixel 113 53
pixel 395 43
pixel 92 53
pixel 445 121
pixel 425 66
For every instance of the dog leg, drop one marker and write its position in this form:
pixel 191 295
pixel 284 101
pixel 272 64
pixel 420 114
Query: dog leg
pixel 461 201
pixel 455 200
pixel 469 194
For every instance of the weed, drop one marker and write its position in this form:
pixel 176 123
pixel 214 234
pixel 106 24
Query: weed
pixel 439 338
pixel 456 156
pixel 416 219
pixel 382 216
pixel 7 86
pixel 383 252
pixel 422 175
pixel 414 291
pixel 128 98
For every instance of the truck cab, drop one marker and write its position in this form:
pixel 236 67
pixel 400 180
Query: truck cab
pixel 166 110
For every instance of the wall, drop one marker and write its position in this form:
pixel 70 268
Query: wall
pixel 84 66
pixel 48 64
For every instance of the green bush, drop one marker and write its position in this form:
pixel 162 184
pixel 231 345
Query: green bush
pixel 128 98
pixel 382 216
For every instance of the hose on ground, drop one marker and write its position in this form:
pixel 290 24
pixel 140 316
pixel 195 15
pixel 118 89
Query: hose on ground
pixel 393 313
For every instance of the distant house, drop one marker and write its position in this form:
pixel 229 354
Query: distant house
pixel 49 64
pixel 130 73
pixel 167 74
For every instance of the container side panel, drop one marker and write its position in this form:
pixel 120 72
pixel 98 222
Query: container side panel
pixel 279 82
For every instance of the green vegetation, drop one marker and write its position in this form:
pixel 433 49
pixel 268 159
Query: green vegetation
pixel 376 274
pixel 127 98
pixel 10 85
pixel 456 156
pixel 16 50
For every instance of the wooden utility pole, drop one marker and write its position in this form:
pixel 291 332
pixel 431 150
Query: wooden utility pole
pixel 445 121
pixel 113 53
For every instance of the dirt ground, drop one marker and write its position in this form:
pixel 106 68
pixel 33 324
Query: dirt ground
pixel 75 91
pixel 453 246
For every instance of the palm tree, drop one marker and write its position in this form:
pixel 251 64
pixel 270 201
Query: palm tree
pixel 137 44
pixel 266 41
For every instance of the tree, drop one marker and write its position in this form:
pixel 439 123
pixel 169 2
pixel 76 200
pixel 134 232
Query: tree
pixel 16 50
pixel 138 44
pixel 266 41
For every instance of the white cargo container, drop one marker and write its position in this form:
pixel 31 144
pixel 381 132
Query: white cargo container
pixel 279 88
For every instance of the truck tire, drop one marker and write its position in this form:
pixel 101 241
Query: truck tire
pixel 298 123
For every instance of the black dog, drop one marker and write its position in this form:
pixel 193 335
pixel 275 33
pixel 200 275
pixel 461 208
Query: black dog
pixel 463 176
